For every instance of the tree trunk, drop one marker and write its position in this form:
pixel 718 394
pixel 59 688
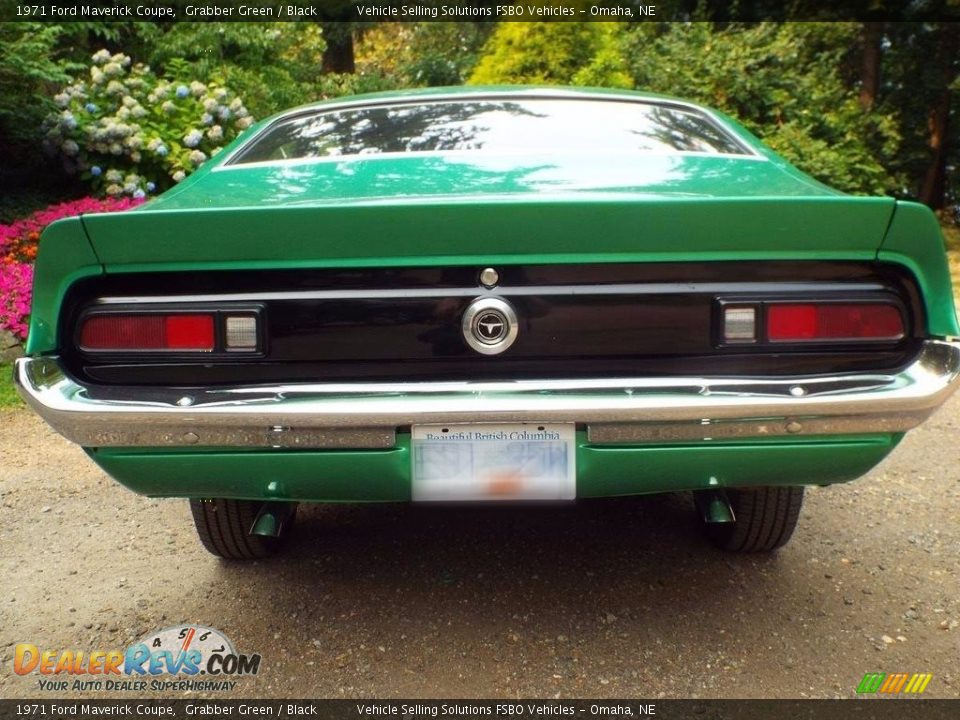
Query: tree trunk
pixel 933 192
pixel 338 57
pixel 872 36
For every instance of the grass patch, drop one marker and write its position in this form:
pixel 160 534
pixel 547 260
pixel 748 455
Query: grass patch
pixel 8 396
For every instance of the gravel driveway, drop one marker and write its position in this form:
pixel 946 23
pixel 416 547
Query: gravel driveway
pixel 599 599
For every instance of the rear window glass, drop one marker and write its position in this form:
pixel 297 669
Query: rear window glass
pixel 492 126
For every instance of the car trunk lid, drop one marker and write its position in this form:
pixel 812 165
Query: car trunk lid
pixel 570 227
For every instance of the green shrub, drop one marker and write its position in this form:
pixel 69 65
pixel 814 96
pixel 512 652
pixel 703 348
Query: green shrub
pixel 272 66
pixel 565 53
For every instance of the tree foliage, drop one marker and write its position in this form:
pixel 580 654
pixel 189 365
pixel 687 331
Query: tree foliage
pixel 786 83
pixel 421 54
pixel 867 107
pixel 30 72
pixel 920 80
pixel 557 53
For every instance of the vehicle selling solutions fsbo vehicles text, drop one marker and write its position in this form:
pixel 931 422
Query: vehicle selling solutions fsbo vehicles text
pixel 502 710
pixel 532 12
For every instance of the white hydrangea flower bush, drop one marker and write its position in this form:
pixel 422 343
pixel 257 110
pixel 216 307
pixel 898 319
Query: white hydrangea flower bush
pixel 131 133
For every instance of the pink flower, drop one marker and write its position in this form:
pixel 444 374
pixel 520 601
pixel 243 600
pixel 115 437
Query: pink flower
pixel 15 282
pixel 18 246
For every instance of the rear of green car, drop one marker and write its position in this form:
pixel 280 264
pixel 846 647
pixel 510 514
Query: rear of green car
pixel 487 324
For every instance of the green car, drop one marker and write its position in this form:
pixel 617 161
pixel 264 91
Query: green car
pixel 492 294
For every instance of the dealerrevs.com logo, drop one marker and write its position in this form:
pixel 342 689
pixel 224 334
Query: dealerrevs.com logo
pixel 184 652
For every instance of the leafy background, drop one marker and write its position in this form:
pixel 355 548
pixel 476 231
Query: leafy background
pixel 865 106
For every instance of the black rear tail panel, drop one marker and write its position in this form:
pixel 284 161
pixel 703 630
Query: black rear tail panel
pixel 404 324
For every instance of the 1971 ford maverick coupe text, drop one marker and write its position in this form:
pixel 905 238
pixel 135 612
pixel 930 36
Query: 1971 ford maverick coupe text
pixel 492 294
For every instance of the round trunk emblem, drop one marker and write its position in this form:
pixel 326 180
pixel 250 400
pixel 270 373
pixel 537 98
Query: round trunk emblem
pixel 489 325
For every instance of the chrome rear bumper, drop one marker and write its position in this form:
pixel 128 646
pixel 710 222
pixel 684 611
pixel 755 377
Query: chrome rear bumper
pixel 368 415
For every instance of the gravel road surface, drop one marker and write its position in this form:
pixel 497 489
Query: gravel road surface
pixel 606 598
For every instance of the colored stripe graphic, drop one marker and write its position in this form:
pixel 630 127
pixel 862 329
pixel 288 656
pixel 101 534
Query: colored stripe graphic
pixel 918 683
pixel 871 683
pixel 894 683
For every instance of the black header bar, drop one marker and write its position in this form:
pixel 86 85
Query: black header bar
pixel 474 10
pixel 79 709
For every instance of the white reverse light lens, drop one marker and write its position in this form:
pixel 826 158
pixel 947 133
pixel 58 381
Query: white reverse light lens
pixel 739 324
pixel 242 333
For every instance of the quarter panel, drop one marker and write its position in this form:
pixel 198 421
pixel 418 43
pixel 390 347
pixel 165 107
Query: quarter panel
pixel 65 257
pixel 915 241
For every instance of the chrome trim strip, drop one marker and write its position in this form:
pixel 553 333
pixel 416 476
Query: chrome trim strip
pixel 367 415
pixel 538 290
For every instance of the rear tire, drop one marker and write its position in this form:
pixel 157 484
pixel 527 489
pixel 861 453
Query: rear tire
pixel 765 518
pixel 224 529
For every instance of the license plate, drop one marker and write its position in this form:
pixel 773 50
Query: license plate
pixel 516 461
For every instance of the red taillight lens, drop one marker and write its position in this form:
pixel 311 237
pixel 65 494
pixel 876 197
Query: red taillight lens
pixel 189 332
pixel 829 321
pixel 148 332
